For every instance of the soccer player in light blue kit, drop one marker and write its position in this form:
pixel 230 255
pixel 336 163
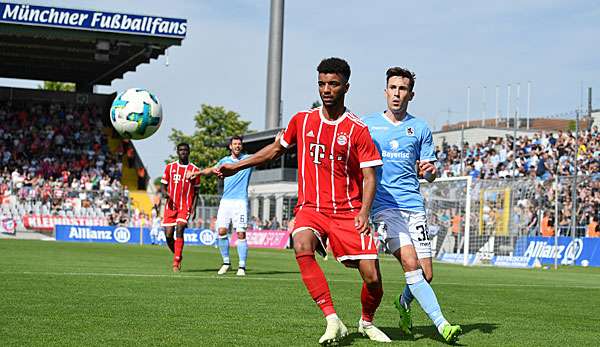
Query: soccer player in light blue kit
pixel 406 145
pixel 233 208
pixel 156 227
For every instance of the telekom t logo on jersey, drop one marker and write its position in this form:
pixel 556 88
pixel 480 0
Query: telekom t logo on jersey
pixel 176 178
pixel 317 151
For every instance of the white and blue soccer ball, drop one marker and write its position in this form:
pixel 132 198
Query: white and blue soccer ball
pixel 136 113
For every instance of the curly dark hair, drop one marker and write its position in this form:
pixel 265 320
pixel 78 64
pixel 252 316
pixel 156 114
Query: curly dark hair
pixel 335 65
pixel 398 71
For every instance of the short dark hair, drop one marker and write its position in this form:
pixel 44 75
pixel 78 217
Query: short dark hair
pixel 398 71
pixel 184 144
pixel 236 137
pixel 335 65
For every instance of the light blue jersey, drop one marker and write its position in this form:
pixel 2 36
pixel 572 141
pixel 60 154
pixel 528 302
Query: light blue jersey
pixel 236 186
pixel 400 146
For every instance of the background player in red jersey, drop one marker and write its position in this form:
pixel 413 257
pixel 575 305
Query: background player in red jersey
pixel 180 192
pixel 336 186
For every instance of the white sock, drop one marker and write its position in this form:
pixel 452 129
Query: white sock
pixel 440 327
pixel 332 316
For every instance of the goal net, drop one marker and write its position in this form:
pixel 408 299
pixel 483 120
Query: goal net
pixel 481 221
pixel 447 208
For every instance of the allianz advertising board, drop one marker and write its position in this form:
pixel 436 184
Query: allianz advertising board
pixel 111 234
pixel 583 251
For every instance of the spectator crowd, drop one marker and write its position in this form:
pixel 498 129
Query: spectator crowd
pixel 542 156
pixel 55 160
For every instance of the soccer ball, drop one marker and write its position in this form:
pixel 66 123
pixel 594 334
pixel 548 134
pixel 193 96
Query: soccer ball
pixel 136 113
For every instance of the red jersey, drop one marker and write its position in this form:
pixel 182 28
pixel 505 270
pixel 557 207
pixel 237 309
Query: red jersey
pixel 331 155
pixel 180 189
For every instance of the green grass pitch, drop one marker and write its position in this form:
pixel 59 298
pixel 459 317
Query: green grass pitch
pixel 86 294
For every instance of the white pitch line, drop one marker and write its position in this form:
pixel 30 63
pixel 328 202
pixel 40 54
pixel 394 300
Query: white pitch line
pixel 254 278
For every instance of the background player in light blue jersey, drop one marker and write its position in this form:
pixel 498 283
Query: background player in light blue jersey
pixel 156 227
pixel 233 208
pixel 406 146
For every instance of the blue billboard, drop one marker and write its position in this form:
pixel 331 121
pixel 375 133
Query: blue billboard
pixel 536 251
pixel 133 235
pixel 68 18
pixel 580 251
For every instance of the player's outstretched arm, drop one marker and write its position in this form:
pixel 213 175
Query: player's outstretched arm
pixel 266 154
pixel 361 221
pixel 206 172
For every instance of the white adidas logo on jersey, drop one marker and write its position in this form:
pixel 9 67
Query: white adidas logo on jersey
pixel 310 134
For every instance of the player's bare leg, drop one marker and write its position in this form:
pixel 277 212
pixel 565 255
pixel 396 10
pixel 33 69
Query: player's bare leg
pixel 169 236
pixel 370 297
pixel 223 244
pixel 305 244
pixel 179 242
pixel 427 266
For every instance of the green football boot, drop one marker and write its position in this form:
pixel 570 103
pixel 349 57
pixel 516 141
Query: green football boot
pixel 405 322
pixel 451 333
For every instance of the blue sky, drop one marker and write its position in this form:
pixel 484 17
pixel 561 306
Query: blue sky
pixel 448 44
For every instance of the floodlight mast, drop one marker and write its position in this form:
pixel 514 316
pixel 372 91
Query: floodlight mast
pixel 273 107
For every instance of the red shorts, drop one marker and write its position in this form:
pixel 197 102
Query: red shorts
pixel 172 217
pixel 345 241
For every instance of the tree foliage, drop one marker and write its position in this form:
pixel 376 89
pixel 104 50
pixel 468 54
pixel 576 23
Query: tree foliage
pixel 58 86
pixel 214 127
pixel 316 104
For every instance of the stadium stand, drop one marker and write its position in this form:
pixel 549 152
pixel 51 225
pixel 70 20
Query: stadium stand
pixel 547 160
pixel 58 164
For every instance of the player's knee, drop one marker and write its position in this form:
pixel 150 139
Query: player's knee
pixel 372 281
pixel 222 231
pixel 409 264
pixel 303 245
pixel 241 235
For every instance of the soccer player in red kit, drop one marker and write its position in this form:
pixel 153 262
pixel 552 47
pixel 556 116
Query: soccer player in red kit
pixel 180 192
pixel 336 186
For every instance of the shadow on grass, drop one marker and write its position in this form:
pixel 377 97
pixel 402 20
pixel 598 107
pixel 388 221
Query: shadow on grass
pixel 249 272
pixel 202 270
pixel 423 332
pixel 272 272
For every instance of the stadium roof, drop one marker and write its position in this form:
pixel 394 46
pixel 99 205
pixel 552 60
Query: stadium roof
pixel 81 46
